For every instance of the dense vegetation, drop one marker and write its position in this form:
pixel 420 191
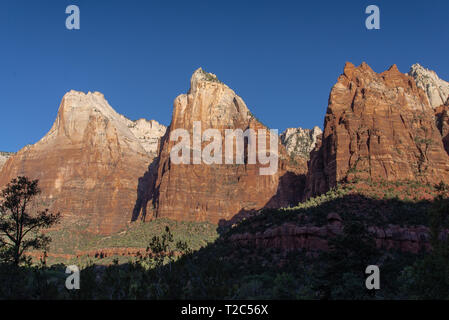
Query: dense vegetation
pixel 74 241
pixel 170 269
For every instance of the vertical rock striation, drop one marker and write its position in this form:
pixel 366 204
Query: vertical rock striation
pixel 216 192
pixel 437 90
pixel 4 156
pixel 442 122
pixel 378 126
pixel 89 163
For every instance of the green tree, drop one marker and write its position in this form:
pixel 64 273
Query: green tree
pixel 19 228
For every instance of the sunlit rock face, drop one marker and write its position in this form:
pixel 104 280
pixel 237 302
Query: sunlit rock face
pixel 216 192
pixel 89 163
pixel 149 133
pixel 299 141
pixel 436 89
pixel 378 126
pixel 4 156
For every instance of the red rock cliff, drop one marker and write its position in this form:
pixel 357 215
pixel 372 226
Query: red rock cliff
pixel 88 164
pixel 377 126
pixel 442 121
pixel 215 192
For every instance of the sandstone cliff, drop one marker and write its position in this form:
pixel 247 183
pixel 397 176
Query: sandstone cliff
pixel 89 163
pixel 378 126
pixel 289 236
pixel 442 122
pixel 215 192
pixel 149 133
pixel 4 156
pixel 437 90
pixel 299 141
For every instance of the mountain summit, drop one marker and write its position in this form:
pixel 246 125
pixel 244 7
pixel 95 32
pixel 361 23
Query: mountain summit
pixel 437 90
pixel 377 126
pixel 215 192
pixel 89 163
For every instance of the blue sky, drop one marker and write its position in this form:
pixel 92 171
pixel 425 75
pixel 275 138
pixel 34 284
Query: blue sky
pixel 282 57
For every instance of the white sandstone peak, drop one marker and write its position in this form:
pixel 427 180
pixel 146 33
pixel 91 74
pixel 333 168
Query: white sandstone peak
pixel 299 141
pixel 4 156
pixel 437 90
pixel 149 133
pixel 202 76
pixel 91 111
pixel 211 100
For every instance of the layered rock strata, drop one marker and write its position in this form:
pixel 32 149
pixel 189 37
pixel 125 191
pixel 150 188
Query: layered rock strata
pixel 378 126
pixel 218 190
pixel 89 163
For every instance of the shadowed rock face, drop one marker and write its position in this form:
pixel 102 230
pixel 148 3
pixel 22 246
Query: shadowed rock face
pixel 378 126
pixel 442 121
pixel 215 192
pixel 89 163
pixel 311 238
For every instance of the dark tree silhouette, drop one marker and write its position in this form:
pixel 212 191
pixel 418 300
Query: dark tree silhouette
pixel 19 228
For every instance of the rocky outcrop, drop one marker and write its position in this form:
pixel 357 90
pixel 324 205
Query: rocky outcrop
pixel 4 156
pixel 290 236
pixel 442 121
pixel 300 142
pixel 378 126
pixel 216 192
pixel 89 163
pixel 437 90
pixel 149 133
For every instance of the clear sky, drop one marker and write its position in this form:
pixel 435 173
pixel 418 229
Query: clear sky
pixel 281 57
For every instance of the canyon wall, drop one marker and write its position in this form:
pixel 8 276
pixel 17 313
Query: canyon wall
pixel 378 126
pixel 89 163
pixel 216 192
pixel 436 89
pixel 4 156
